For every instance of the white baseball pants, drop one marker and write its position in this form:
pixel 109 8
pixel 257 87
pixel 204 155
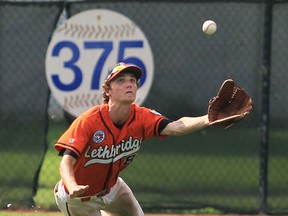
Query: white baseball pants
pixel 120 201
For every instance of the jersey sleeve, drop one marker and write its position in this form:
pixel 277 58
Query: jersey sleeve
pixel 75 137
pixel 164 122
pixel 153 123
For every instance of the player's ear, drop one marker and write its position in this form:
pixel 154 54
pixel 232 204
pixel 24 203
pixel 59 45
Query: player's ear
pixel 107 92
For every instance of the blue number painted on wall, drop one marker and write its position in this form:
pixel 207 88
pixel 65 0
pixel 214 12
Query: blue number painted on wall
pixel 107 47
pixel 70 65
pixel 123 45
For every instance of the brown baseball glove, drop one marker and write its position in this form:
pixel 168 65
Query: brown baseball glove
pixel 230 105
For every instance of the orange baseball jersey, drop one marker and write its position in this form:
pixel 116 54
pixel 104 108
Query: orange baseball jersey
pixel 104 150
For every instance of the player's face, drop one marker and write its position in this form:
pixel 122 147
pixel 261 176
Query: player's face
pixel 123 89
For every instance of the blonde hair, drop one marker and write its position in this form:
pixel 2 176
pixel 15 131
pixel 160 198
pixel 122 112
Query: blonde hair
pixel 105 86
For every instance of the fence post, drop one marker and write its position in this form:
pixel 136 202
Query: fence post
pixel 266 69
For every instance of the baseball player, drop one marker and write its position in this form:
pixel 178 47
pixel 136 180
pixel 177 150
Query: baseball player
pixel 103 141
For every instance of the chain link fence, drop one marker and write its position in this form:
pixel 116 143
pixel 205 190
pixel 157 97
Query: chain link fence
pixel 211 169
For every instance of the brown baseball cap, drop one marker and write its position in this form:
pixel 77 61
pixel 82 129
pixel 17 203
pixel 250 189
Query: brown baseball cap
pixel 123 67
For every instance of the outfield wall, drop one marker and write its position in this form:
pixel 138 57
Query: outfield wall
pixel 188 69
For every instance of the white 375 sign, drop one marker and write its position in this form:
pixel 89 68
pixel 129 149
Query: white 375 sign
pixel 83 48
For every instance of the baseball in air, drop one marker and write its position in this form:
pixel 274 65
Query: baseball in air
pixel 209 27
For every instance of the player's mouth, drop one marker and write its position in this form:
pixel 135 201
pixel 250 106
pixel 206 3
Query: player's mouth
pixel 129 92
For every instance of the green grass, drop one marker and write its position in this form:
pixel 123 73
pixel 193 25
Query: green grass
pixel 210 169
pixel 23 213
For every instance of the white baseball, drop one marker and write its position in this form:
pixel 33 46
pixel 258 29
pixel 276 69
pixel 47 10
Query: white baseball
pixel 209 27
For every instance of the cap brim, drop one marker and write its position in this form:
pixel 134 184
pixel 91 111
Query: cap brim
pixel 137 71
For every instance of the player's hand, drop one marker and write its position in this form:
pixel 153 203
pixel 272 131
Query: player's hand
pixel 78 190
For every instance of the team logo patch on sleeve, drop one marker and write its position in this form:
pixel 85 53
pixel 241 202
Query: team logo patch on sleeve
pixel 71 140
pixel 98 136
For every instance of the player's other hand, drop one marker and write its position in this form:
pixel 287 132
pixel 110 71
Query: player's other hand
pixel 78 190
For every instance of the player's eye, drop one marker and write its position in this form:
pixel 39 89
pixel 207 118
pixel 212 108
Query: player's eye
pixel 120 80
pixel 133 80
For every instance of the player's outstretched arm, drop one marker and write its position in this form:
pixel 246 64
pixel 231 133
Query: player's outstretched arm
pixel 185 125
pixel 68 177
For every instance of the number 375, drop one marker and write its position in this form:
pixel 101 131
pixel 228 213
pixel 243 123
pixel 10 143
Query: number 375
pixel 106 47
